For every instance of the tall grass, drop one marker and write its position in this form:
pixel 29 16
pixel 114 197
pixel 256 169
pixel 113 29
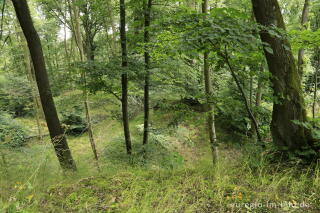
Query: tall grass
pixel 175 176
pixel 241 181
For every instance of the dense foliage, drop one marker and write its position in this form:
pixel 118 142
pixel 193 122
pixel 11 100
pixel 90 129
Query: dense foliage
pixel 149 90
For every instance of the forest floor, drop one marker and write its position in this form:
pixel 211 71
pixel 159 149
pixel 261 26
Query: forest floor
pixel 176 175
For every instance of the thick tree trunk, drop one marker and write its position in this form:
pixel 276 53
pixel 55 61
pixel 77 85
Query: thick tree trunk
pixel 56 133
pixel 208 94
pixel 147 20
pixel 304 21
pixel 289 102
pixel 124 77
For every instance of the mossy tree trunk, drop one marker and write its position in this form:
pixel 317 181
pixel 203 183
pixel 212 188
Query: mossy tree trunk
pixel 289 102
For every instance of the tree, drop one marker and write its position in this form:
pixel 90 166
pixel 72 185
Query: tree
pixel 289 102
pixel 90 56
pixel 147 19
pixel 124 76
pixel 56 133
pixel 304 21
pixel 208 94
pixel 31 78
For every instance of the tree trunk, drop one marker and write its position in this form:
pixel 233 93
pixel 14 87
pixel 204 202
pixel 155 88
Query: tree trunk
pixel 78 37
pixel 315 94
pixel 2 18
pixel 56 133
pixel 208 94
pixel 147 20
pixel 124 77
pixel 252 129
pixel 113 44
pixel 289 102
pixel 259 89
pixel 304 21
pixel 29 71
pixel 65 42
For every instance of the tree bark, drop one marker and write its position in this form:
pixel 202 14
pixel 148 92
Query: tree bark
pixel 124 77
pixel 289 102
pixel 208 94
pixel 56 133
pixel 304 21
pixel 147 20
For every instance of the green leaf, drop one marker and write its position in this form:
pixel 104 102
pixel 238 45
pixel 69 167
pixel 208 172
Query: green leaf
pixel 269 50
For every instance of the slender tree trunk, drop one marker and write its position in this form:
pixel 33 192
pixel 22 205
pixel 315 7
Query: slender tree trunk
pixel 251 90
pixel 304 21
pixel 113 43
pixel 252 129
pixel 65 42
pixel 29 72
pixel 147 19
pixel 315 94
pixel 209 93
pixel 74 13
pixel 56 133
pixel 2 18
pixel 259 89
pixel 89 123
pixel 246 102
pixel 124 76
pixel 78 38
pixel 289 105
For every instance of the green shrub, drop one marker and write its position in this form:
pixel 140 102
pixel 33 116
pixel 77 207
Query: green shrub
pixel 11 132
pixel 16 96
pixel 73 121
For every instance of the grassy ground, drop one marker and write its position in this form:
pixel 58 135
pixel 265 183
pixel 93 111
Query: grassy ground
pixel 175 176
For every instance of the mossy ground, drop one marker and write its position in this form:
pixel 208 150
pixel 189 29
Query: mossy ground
pixel 175 175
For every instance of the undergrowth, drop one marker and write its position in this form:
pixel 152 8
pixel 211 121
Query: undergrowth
pixel 239 182
pixel 173 173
